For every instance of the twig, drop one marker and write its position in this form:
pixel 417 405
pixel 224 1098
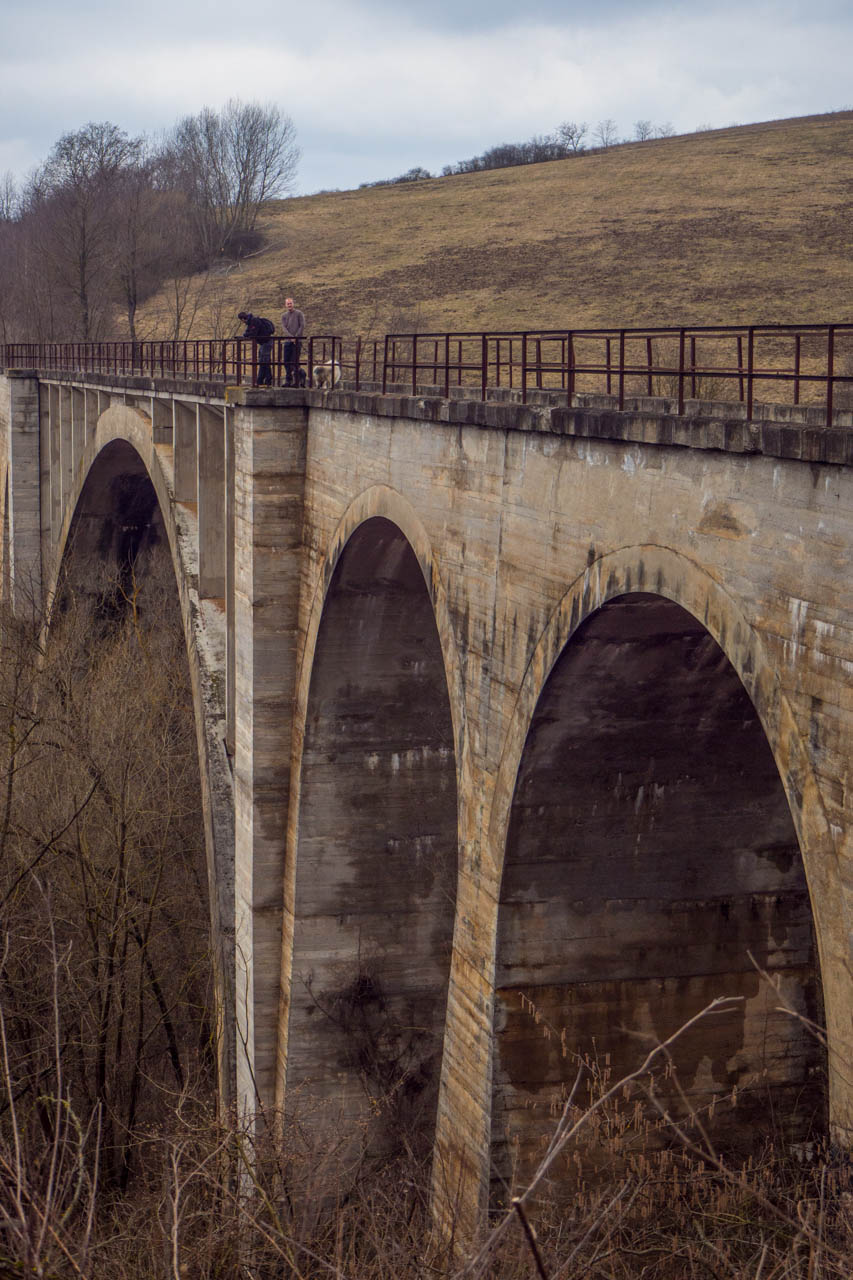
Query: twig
pixel 531 1237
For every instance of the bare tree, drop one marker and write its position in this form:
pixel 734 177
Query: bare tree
pixel 72 204
pixel 605 133
pixel 571 134
pixel 9 197
pixel 229 162
pixel 643 130
pixel 665 130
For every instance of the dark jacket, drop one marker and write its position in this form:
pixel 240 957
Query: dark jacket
pixel 258 328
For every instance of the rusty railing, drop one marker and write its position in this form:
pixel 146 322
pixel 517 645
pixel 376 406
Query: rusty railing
pixel 794 364
pixel 804 364
pixel 231 361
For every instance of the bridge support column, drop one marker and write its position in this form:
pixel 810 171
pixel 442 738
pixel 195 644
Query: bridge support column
pixel 162 420
pixel 185 437
pixel 66 455
pixel 78 427
pixel 55 431
pixel 269 457
pixel 230 700
pixel 23 510
pixel 210 453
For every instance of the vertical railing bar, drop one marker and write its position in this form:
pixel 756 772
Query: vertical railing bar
pixel 681 371
pixel 692 366
pixel 797 368
pixel 830 373
pixel 524 368
pixel 740 366
pixel 621 369
pixel 750 360
pixel 571 360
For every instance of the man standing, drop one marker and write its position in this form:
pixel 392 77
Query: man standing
pixel 262 330
pixel 293 324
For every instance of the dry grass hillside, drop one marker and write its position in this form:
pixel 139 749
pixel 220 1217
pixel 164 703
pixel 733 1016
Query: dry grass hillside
pixel 747 224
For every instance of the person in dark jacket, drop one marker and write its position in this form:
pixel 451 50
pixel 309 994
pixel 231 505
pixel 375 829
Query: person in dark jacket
pixel 262 331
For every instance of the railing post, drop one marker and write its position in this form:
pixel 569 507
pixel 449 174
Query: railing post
pixel 680 371
pixel 539 364
pixel 570 352
pixel 740 366
pixel 621 369
pixel 796 368
pixel 484 365
pixel 414 364
pixel 358 363
pixel 447 366
pixel 830 372
pixel 692 366
pixel 608 382
pixel 648 366
pixel 750 360
pixel 524 368
pixel 385 367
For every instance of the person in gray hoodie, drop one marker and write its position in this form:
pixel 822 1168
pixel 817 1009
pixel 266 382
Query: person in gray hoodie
pixel 293 324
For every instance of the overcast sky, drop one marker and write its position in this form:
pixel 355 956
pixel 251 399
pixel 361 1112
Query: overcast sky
pixel 375 87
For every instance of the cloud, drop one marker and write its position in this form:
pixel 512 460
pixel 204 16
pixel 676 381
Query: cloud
pixel 374 89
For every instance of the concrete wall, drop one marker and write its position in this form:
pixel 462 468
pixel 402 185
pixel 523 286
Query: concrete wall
pixel 522 534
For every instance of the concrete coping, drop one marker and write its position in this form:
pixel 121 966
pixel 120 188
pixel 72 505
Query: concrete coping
pixel 778 431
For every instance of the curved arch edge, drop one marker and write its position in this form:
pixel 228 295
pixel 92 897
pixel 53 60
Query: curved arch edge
pixel 384 502
pixel 201 624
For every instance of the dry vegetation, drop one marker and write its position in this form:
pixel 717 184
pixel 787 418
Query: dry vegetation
pixel 114 1163
pixel 748 224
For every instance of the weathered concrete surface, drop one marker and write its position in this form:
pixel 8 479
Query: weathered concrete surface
pixel 523 533
pixel 658 566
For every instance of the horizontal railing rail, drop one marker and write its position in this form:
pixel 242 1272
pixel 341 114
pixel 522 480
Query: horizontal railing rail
pixel 800 364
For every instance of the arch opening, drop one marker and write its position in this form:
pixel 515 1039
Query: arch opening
pixel 650 850
pixel 376 857
pixel 116 690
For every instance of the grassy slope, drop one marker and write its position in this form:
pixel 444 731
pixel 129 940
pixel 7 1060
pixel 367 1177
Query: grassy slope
pixel 753 223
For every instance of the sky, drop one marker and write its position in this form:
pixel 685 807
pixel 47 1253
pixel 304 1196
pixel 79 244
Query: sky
pixel 377 87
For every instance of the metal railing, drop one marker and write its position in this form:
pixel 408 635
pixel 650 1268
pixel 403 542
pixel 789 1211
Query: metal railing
pixel 231 361
pixel 793 364
pixel 804 364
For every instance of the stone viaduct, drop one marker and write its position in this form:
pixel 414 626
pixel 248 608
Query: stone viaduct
pixel 524 732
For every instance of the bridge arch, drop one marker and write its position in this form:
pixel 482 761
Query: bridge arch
pixel 372 853
pixel 675 577
pixel 610 967
pixel 122 445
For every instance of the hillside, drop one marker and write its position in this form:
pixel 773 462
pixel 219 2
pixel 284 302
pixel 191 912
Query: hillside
pixel 751 223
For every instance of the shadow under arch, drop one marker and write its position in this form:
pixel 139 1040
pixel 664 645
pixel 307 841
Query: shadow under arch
pixel 119 510
pixel 645 836
pixel 372 844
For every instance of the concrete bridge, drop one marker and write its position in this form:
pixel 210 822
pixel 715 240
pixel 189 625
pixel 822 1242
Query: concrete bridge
pixel 524 732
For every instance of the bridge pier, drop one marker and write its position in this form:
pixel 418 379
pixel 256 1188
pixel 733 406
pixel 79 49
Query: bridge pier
pixel 20 417
pixel 210 453
pixel 269 495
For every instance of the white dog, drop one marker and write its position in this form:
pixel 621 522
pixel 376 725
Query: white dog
pixel 327 374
